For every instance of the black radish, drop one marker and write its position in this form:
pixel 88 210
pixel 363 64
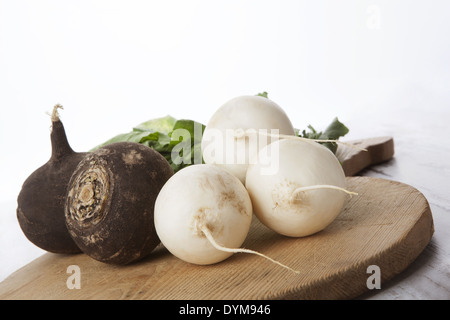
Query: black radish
pixel 110 202
pixel 40 209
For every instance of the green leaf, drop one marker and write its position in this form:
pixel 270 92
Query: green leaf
pixel 161 135
pixel 133 136
pixel 164 125
pixel 263 94
pixel 334 131
pixel 195 131
pixel 191 126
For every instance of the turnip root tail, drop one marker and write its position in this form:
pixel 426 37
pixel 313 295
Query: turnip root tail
pixel 211 239
pixel 319 186
pixel 240 133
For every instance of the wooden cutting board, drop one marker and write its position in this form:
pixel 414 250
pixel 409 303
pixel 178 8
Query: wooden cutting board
pixel 386 225
pixel 354 160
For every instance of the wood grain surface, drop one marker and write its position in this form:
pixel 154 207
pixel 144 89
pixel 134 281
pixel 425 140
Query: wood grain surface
pixel 354 160
pixel 387 224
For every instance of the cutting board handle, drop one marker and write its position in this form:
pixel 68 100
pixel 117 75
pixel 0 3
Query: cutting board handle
pixel 354 160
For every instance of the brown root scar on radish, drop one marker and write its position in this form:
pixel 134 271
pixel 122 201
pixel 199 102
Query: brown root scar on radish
pixel 88 195
pixel 132 157
pixel 204 217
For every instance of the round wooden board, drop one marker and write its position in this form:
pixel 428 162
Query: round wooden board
pixel 387 224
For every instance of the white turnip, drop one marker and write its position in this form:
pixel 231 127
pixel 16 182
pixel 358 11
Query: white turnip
pixel 203 215
pixel 198 198
pixel 304 195
pixel 225 140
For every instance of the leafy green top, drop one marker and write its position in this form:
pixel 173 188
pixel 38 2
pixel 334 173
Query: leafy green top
pixel 163 135
pixel 334 131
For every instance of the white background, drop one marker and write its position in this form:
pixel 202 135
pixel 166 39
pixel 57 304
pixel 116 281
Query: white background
pixel 115 64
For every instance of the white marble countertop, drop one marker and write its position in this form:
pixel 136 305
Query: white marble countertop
pixel 421 160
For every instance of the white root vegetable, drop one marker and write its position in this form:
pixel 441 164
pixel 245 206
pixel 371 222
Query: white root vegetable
pixel 225 141
pixel 197 198
pixel 203 215
pixel 304 195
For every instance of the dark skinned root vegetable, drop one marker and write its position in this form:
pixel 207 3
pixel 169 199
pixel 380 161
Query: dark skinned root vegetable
pixel 40 209
pixel 110 202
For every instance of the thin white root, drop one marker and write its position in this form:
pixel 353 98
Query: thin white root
pixel 55 115
pixel 239 133
pixel 320 186
pixel 287 136
pixel 209 236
